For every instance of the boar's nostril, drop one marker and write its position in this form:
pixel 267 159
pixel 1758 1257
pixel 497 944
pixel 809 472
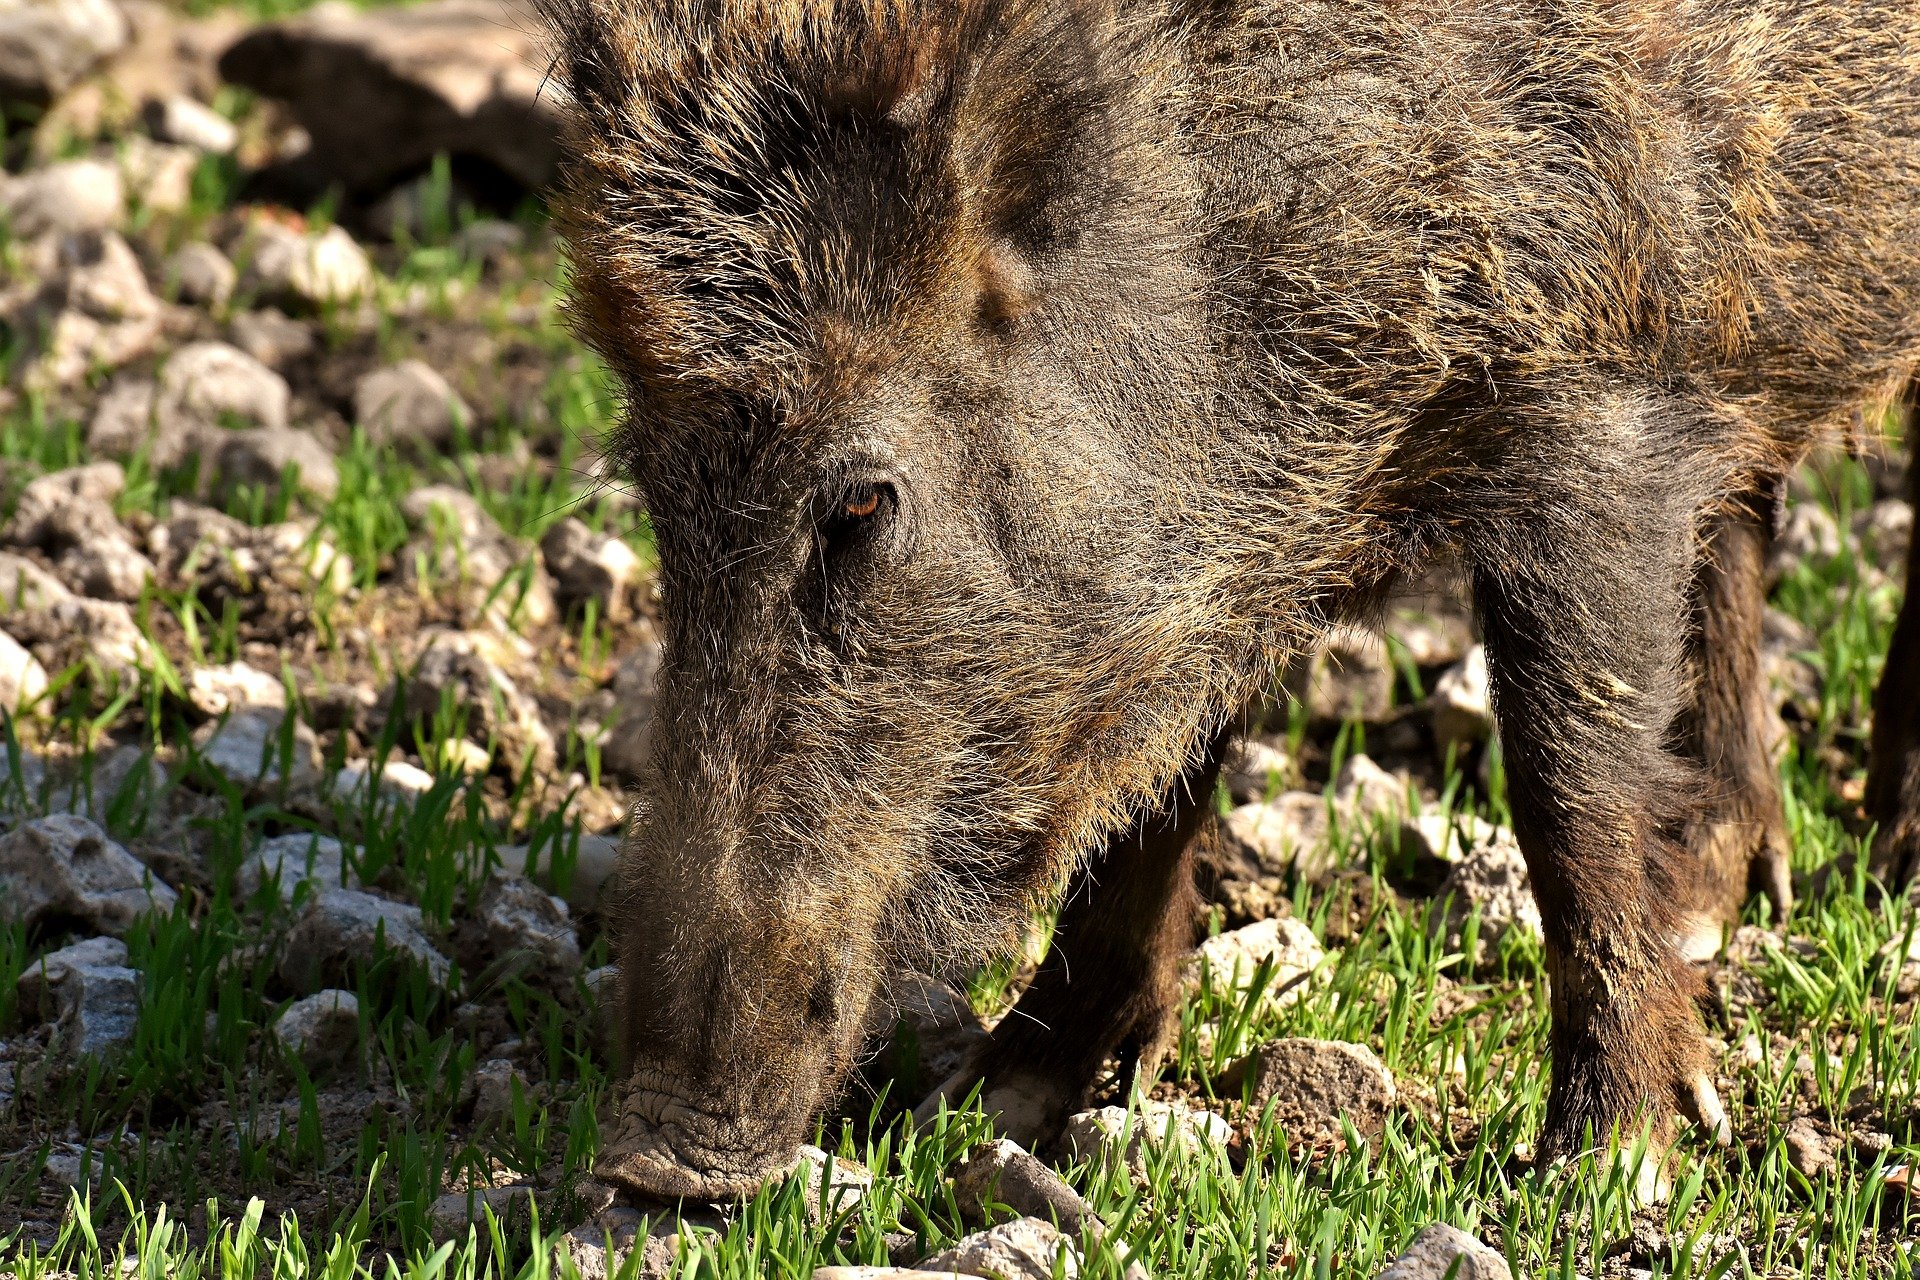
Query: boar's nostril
pixel 821 1003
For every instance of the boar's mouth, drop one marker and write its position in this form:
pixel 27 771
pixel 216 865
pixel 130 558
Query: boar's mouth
pixel 668 1146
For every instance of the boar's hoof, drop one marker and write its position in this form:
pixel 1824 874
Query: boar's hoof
pixel 667 1148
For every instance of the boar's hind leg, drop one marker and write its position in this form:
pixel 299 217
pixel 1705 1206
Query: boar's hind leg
pixel 1110 983
pixel 1583 597
pixel 1739 835
pixel 1893 781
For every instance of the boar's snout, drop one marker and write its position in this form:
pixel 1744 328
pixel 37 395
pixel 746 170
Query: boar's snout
pixel 747 983
pixel 670 1142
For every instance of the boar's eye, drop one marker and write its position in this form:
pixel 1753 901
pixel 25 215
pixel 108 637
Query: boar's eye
pixel 861 531
pixel 863 506
pixel 863 500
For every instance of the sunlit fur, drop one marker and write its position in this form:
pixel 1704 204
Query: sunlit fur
pixel 1183 328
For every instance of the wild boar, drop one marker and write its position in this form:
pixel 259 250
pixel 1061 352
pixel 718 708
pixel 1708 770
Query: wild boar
pixel 1015 384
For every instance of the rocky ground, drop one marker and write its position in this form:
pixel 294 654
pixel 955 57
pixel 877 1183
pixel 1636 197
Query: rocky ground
pixel 326 657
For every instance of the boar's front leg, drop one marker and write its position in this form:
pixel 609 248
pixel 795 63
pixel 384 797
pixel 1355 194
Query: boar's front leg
pixel 1893 781
pixel 1110 983
pixel 1581 577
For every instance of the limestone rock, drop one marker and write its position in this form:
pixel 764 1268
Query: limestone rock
pixel 22 678
pixel 1116 1134
pixel 594 858
pixel 200 274
pixel 1278 835
pixel 306 270
pixel 207 385
pixel 601 1248
pixel 46 46
pixel 188 122
pixel 214 691
pixel 458 1212
pixel 1351 678
pixel 1462 704
pixel 945 1027
pixel 322 1031
pixel 393 781
pixel 589 566
pixel 247 748
pixel 409 405
pixel 88 993
pixel 1490 876
pixel 1024 1249
pixel 292 860
pixel 1314 1085
pixel 454 77
pixel 122 423
pixel 343 930
pixel 1260 771
pixel 65 866
pixel 106 631
pixel 1809 1150
pixel 1233 958
pixel 494 1084
pixel 461 663
pixel 514 915
pixel 1441 1252
pixel 263 456
pixel 68 198
pixel 25 586
pixel 835 1186
pixel 1002 1172
pixel 272 337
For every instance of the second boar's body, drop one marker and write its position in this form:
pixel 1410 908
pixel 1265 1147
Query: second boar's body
pixel 1014 383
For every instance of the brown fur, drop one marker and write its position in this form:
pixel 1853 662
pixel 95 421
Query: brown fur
pixel 1176 331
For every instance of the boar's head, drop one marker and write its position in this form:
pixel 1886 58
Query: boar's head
pixel 903 306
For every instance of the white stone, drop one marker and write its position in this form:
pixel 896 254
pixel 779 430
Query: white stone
pixel 846 1183
pixel 47 46
pixel 458 1212
pixel 409 404
pixel 594 860
pixel 1234 957
pixel 65 866
pixel 1290 829
pixel 202 275
pixel 63 199
pixel 1462 703
pixel 396 780
pixel 293 860
pixel 1441 1252
pixel 322 1030
pixel 517 916
pixel 217 690
pixel 340 931
pixel 246 748
pixel 1117 1134
pixel 1024 1249
pixel 589 566
pixel 87 992
pixel 262 457
pixel 191 123
pixel 1260 771
pixel 317 270
pixel 1491 876
pixel 207 384
pixel 22 678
